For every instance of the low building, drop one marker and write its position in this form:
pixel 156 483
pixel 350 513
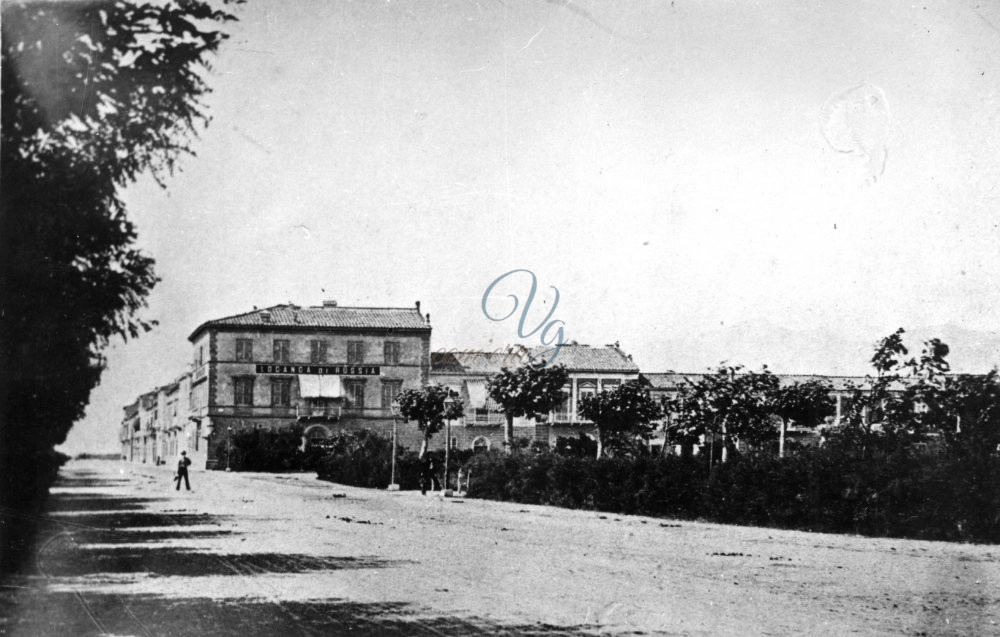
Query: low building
pixel 665 386
pixel 591 370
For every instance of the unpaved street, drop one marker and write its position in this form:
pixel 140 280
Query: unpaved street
pixel 122 553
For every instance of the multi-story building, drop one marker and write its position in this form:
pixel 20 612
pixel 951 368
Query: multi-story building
pixel 172 425
pixel 331 368
pixel 327 368
pixel 144 440
pixel 591 370
pixel 128 429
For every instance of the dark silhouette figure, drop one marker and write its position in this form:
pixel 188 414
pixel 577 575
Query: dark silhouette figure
pixel 428 477
pixel 182 471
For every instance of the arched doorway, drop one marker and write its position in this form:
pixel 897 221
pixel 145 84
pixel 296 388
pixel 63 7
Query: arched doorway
pixel 481 443
pixel 316 436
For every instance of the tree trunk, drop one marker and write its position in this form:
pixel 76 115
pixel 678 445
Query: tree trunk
pixel 508 433
pixel 423 447
pixel 725 440
pixel 600 444
pixel 781 438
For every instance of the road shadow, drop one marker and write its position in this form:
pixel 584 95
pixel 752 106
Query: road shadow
pixel 72 560
pixel 82 536
pixel 141 536
pixel 90 516
pixel 103 614
pixel 63 502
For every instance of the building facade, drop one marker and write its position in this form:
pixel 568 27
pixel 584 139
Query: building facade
pixel 333 368
pixel 129 427
pixel 590 370
pixel 328 368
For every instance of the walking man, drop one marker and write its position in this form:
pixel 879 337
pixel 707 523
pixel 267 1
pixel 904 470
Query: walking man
pixel 427 477
pixel 182 471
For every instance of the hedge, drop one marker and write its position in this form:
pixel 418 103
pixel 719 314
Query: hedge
pixel 924 496
pixel 269 450
pixel 364 459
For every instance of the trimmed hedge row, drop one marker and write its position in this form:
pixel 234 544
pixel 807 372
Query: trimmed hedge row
pixel 364 459
pixel 267 450
pixel 936 497
pixel 933 496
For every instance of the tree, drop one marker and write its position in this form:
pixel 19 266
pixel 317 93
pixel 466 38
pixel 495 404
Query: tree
pixel 531 391
pixel 729 401
pixel 621 415
pixel 973 404
pixel 904 400
pixel 430 408
pixel 94 94
pixel 807 402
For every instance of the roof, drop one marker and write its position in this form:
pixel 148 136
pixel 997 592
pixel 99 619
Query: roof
pixel 673 380
pixel 584 358
pixel 323 317
pixel 576 358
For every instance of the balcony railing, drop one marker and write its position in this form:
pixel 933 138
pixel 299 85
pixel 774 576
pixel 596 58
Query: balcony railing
pixel 250 411
pixel 329 412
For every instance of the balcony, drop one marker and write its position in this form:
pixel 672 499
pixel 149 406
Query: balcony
pixel 253 411
pixel 318 411
pixel 481 418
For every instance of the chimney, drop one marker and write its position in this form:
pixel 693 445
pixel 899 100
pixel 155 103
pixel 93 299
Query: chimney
pixel 428 318
pixel 418 307
pixel 330 303
pixel 265 316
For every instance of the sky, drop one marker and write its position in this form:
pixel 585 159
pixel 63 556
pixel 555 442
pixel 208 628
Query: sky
pixel 776 183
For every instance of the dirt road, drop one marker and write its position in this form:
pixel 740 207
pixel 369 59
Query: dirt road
pixel 251 554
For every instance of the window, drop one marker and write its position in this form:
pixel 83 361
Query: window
pixel 199 356
pixel 280 350
pixel 281 392
pixel 390 389
pixel 317 351
pixel 391 353
pixel 480 444
pixel 454 442
pixel 588 388
pixel 317 435
pixel 561 412
pixel 244 350
pixel 355 352
pixel 243 387
pixel 355 393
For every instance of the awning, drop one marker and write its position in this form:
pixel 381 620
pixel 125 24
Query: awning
pixel 319 386
pixel 477 393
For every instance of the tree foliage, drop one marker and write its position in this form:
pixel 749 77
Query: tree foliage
pixel 622 416
pixel 905 400
pixel 730 401
pixel 430 407
pixel 94 94
pixel 530 391
pixel 807 403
